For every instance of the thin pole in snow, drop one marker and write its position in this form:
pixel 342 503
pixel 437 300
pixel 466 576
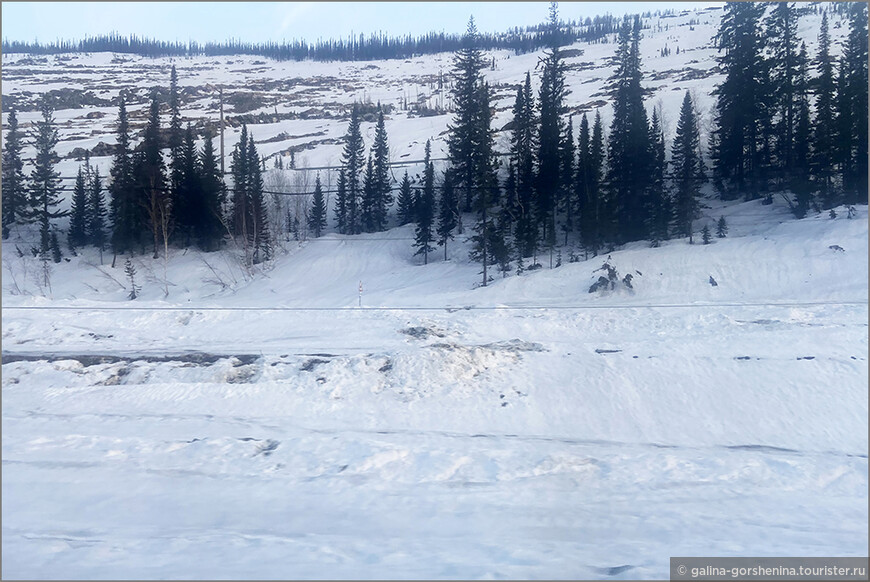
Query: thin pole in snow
pixel 360 293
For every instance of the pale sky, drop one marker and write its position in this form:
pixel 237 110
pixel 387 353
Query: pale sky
pixel 276 21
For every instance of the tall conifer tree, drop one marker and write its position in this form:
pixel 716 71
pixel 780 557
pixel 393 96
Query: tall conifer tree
pixel 742 106
pixel 317 216
pixel 44 179
pixel 630 152
pixel 687 173
pixel 13 181
pixel 823 128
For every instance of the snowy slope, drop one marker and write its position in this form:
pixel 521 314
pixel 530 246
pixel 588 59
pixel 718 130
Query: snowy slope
pixel 267 426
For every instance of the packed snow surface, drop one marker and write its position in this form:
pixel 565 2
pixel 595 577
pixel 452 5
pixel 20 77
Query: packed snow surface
pixel 281 425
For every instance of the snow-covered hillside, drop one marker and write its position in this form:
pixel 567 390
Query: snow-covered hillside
pixel 281 425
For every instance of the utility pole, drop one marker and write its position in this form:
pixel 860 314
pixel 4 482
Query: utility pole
pixel 221 93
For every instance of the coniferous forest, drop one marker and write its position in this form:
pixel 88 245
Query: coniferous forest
pixel 786 123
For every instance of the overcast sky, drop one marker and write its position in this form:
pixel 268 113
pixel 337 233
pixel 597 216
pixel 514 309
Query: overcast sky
pixel 261 21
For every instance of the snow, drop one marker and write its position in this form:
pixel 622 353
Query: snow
pixel 265 426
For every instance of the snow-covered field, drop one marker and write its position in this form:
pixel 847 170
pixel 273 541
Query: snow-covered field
pixel 269 427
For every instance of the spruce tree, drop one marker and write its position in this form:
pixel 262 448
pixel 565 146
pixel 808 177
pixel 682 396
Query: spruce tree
pixel 240 211
pixel 13 181
pixel 783 42
pixel 568 203
pixel 426 209
pixel 721 228
pixel 405 201
pixel 352 162
pixel 855 86
pixel 77 234
pixel 96 213
pixel 686 173
pixel 125 209
pixel 742 106
pixel 487 183
pixel 150 174
pixel 368 202
pixel 522 156
pixel 259 236
pixel 188 204
pixel 56 255
pixel 175 142
pixel 551 107
pixel 382 188
pixel 844 139
pixel 448 212
pixel 341 203
pixel 465 135
pixel 210 228
pixel 317 216
pixel 597 216
pixel 585 209
pixel 659 203
pixel 630 152
pixel 799 176
pixel 823 159
pixel 44 179
pixel 705 235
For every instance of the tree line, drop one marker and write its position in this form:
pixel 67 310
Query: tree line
pixel 777 128
pixel 375 46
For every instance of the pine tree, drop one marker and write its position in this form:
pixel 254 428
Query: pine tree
pixel 44 179
pixel 352 160
pixel 551 107
pixel 77 234
pixel 210 228
pixel 686 164
pixel 705 235
pixel 381 183
pixel 721 228
pixel 426 209
pixel 823 158
pixel 630 151
pixel 125 209
pixel 96 213
pixel 742 115
pixel 317 216
pixel 13 182
pixel 406 201
pixel 448 212
pixel 465 135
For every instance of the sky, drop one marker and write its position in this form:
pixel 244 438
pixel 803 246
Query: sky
pixel 276 21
